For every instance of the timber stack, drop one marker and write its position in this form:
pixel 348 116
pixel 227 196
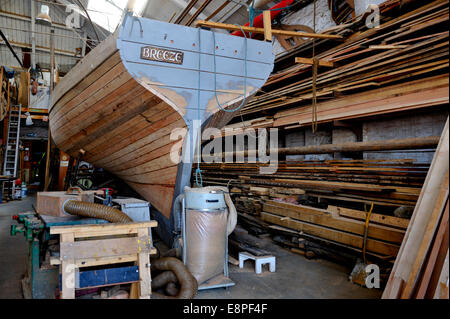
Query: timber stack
pixel 401 65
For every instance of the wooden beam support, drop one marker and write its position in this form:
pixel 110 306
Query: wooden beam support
pixel 232 27
pixel 267 26
pixel 311 62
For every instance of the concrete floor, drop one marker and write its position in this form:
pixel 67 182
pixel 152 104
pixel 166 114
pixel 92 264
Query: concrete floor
pixel 296 276
pixel 13 250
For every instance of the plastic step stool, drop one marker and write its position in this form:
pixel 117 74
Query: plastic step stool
pixel 259 261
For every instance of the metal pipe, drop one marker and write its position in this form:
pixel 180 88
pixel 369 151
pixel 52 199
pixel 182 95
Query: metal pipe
pixel 10 48
pixel 33 37
pixel 183 221
pixel 52 60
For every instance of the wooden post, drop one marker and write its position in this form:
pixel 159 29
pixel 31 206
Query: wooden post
pixel 311 62
pixel 68 271
pixel 267 26
pixel 145 288
pixel 52 86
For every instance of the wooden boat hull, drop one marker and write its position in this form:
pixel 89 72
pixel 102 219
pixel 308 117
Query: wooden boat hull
pixel 121 107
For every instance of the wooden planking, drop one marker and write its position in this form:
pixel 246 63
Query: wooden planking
pixel 440 243
pixel 324 218
pixel 92 262
pixel 104 244
pixel 91 62
pixel 374 218
pixel 358 67
pixel 127 129
pixel 89 249
pixel 423 222
pixel 107 122
pixel 158 195
pixel 330 234
pixel 401 96
pixel 133 159
pixel 92 95
pixel 99 230
pixel 67 140
pixel 145 285
pixel 68 271
pixel 156 164
pixel 88 79
pixel 138 140
pixel 110 76
pixel 166 176
pixel 124 93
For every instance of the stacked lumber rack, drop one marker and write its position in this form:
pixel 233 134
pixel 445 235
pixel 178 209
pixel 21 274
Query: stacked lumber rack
pixel 402 65
pixel 389 184
pixel 326 201
pixel 86 246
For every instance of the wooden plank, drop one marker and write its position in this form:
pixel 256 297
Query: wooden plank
pixel 442 289
pixel 232 27
pixel 311 62
pixel 324 218
pixel 430 231
pixel 145 287
pixel 331 234
pixel 91 262
pixel 421 219
pixel 267 18
pixel 386 220
pixel 388 47
pixel 68 270
pixel 94 59
pixel 90 249
pixel 432 264
pixel 92 230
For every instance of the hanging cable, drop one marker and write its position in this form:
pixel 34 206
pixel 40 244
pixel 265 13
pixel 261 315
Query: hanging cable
pixel 198 172
pixel 366 230
pixel 314 79
pixel 89 18
pixel 245 75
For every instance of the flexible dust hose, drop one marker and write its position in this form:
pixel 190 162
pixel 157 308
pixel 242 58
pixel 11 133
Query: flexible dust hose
pixel 93 210
pixel 188 284
pixel 163 279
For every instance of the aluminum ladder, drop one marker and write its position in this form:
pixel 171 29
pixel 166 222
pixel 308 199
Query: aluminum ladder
pixel 12 150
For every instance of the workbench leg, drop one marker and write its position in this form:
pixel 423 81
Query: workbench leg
pixel 68 272
pixel 145 281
